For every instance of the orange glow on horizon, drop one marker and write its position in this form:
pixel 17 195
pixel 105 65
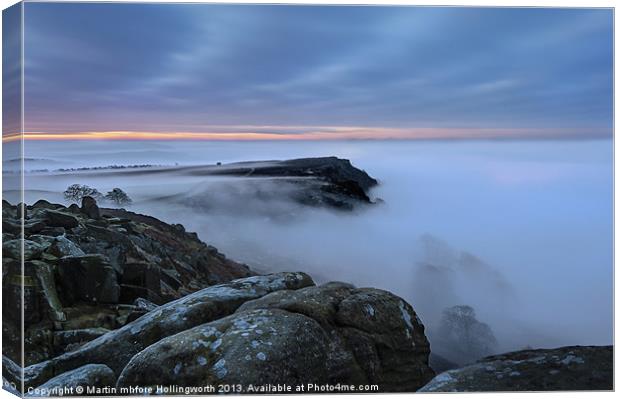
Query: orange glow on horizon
pixel 314 133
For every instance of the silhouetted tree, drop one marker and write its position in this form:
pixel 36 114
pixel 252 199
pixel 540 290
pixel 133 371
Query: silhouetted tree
pixel 462 336
pixel 118 196
pixel 76 192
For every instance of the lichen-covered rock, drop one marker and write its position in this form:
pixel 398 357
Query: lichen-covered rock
pixel 566 369
pixel 117 347
pixel 96 280
pixel 375 336
pixel 254 347
pixel 90 375
pixel 330 334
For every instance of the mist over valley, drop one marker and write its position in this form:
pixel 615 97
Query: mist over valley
pixel 520 231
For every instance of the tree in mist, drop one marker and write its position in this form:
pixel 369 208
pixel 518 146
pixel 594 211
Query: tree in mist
pixel 462 336
pixel 118 196
pixel 76 192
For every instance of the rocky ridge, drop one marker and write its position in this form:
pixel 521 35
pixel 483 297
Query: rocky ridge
pixel 570 368
pixel 323 182
pixel 89 270
pixel 342 183
pixel 114 298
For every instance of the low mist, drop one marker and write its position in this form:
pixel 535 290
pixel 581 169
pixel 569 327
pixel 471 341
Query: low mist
pixel 520 231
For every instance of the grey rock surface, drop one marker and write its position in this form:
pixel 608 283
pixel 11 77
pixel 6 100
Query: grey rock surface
pixel 88 376
pixel 85 271
pixel 254 347
pixel 329 334
pixel 117 347
pixel 566 369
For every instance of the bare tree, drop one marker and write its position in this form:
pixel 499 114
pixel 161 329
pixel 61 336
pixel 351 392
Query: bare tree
pixel 118 196
pixel 76 192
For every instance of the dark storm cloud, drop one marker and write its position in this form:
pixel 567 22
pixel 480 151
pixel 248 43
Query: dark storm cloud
pixel 180 67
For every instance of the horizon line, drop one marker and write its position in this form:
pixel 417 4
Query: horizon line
pixel 316 133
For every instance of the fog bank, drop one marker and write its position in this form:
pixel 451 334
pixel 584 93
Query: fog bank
pixel 521 231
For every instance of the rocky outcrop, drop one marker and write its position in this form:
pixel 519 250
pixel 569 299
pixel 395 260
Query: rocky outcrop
pixel 231 351
pixel 74 271
pixel 267 187
pixel 567 369
pixel 332 169
pixel 86 266
pixel 326 181
pixel 273 329
pixel 124 300
pixel 329 334
pixel 117 347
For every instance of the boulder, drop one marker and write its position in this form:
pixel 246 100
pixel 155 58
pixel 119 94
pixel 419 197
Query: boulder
pixel 254 347
pixel 375 336
pixel 570 368
pixel 117 347
pixel 34 227
pixel 74 208
pixel 141 246
pixel 13 248
pixel 47 284
pixel 43 204
pixel 43 240
pixel 87 278
pixel 330 334
pixel 62 246
pixel 60 219
pixel 90 208
pixel 91 375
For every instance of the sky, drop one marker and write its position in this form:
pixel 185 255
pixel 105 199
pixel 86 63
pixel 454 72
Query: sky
pixel 178 71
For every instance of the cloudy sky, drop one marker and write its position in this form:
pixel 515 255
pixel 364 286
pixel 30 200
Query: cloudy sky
pixel 215 71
